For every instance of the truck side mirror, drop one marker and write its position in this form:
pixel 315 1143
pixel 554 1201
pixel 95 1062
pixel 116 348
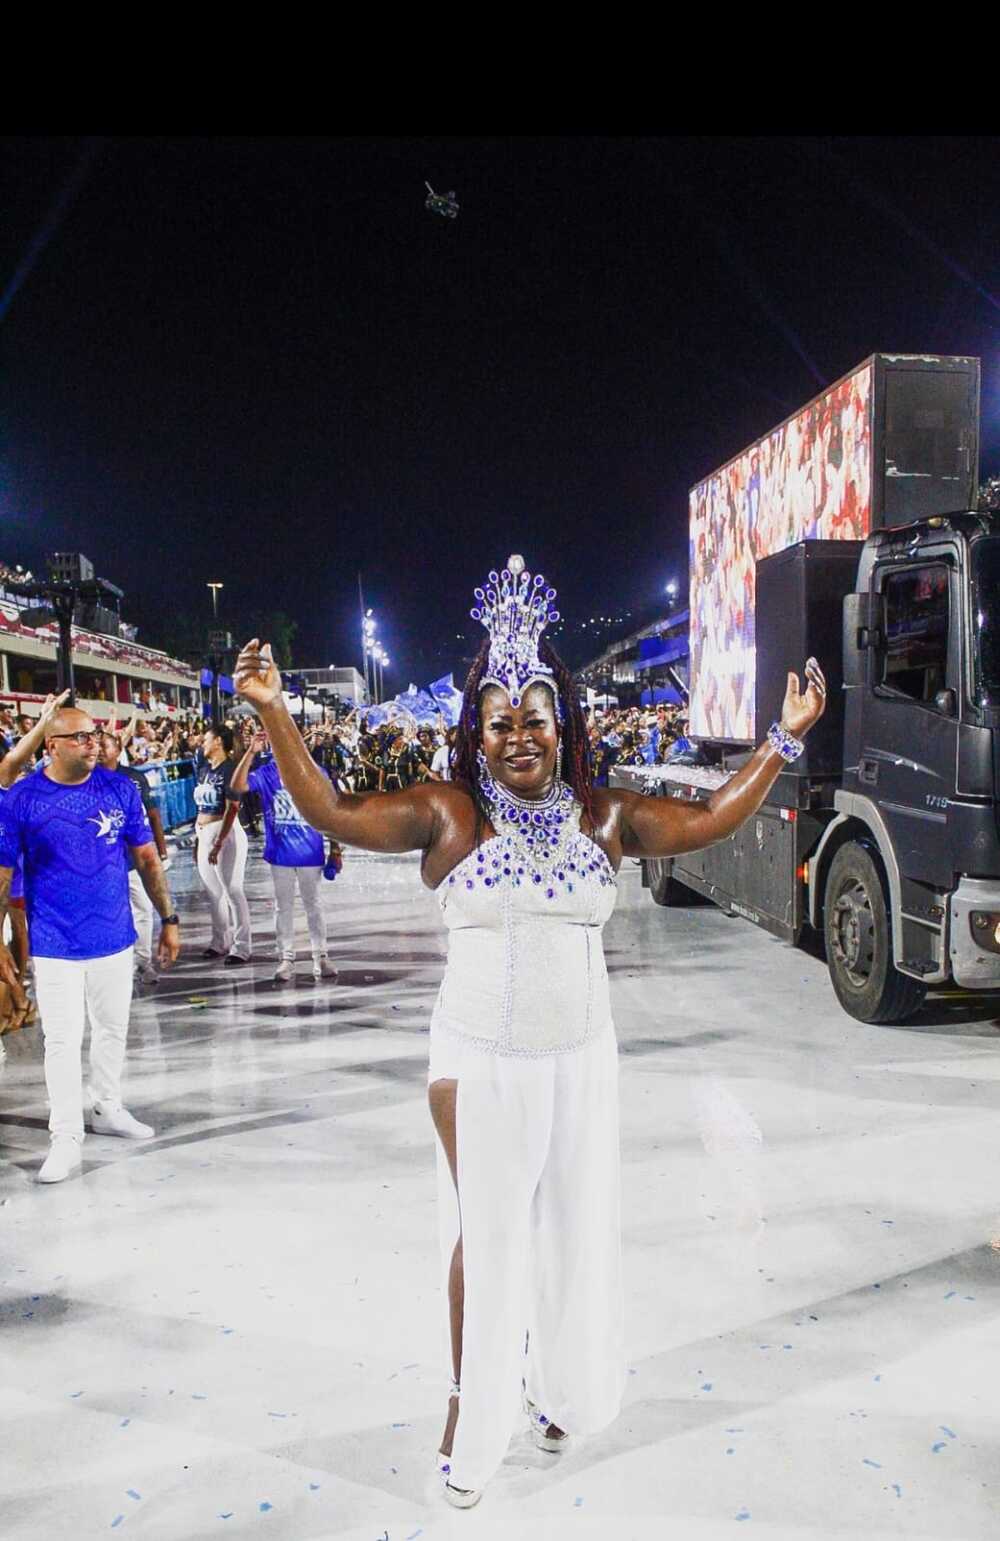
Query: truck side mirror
pixel 945 702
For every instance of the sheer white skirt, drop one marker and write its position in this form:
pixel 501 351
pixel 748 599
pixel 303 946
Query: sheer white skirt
pixel 539 1211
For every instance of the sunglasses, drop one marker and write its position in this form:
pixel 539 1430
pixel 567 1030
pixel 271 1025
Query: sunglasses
pixel 78 738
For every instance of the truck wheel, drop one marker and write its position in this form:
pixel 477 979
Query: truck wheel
pixel 663 886
pixel 858 936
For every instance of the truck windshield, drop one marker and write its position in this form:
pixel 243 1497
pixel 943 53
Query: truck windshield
pixel 986 620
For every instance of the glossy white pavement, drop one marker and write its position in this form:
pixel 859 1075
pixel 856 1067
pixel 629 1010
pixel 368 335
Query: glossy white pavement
pixel 237 1329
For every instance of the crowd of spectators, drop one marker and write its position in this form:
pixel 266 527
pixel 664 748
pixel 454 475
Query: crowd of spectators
pixel 634 735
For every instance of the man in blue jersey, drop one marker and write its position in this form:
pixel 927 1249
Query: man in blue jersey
pixel 294 852
pixel 70 824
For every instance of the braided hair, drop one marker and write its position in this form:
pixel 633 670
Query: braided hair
pixel 575 742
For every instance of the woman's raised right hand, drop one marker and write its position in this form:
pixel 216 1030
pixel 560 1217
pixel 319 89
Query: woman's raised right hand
pixel 256 674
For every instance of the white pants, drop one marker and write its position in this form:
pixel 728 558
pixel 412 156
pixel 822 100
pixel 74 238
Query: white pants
pixel 285 879
pixel 539 1211
pixel 224 881
pixel 142 919
pixel 68 992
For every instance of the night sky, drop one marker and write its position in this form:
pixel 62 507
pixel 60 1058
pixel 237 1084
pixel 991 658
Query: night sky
pixel 264 361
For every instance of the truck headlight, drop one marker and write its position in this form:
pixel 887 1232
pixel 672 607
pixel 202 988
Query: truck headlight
pixel 985 927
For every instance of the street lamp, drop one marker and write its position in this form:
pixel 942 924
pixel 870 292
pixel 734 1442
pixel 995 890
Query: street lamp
pixel 368 628
pixel 215 587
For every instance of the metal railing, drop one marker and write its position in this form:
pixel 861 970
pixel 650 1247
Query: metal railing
pixel 171 787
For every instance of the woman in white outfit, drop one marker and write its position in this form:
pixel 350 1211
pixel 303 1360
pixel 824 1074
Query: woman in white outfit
pixel 523 851
pixel 222 850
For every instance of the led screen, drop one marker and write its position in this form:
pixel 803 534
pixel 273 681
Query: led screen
pixel 808 480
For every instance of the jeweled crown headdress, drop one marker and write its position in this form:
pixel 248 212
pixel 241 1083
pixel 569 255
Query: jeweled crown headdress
pixel 515 610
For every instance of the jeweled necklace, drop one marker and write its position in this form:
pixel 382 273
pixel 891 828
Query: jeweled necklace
pixel 541 823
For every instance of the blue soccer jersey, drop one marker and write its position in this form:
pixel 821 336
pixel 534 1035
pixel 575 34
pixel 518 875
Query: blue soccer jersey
pixel 288 840
pixel 72 840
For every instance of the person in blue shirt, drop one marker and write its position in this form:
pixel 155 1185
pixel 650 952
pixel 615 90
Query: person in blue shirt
pixel 70 824
pixel 17 762
pixel 295 854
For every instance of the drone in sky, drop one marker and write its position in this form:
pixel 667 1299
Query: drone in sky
pixel 441 203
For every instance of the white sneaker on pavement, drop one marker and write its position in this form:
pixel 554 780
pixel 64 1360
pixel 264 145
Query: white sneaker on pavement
pixel 64 1158
pixel 285 971
pixel 323 969
pixel 112 1118
pixel 147 975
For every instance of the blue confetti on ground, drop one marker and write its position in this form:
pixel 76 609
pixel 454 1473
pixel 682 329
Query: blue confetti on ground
pixel 578 1503
pixel 401 1425
pixel 945 1430
pixel 416 1533
pixel 198 1396
pixel 951 1294
pixel 877 1464
pixel 878 1377
pixel 314 1487
pixel 74 1394
pixel 227 1516
pixel 227 1330
pixel 117 1521
pixel 125 1423
pixel 130 1492
pixel 265 1507
pixel 730 1451
pixel 744 1514
pixel 939 1446
pixel 707 1386
pixel 277 1415
pixel 897 1490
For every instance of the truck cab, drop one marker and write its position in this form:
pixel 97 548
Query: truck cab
pixel 918 801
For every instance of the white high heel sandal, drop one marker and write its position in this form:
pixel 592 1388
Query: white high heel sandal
pixel 461 1498
pixel 539 1423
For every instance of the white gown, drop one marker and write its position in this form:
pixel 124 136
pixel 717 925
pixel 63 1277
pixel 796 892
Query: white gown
pixel 523 1023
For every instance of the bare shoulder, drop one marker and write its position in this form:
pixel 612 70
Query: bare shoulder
pixel 610 803
pixel 449 802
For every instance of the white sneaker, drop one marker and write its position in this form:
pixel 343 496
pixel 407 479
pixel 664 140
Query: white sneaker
pixel 285 971
pixel 64 1158
pixel 111 1118
pixel 323 969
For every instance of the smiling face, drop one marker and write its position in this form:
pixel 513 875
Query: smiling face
pixel 520 743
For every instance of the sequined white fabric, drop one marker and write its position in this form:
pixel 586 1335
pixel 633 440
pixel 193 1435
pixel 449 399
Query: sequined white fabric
pixel 526 971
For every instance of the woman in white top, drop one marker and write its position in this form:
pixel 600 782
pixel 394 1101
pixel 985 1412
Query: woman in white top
pixel 523 851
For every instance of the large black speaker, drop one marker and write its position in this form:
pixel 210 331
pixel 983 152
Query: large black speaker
pixel 800 594
pixel 925 437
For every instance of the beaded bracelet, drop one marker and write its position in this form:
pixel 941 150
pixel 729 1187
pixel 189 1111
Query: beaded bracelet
pixel 788 746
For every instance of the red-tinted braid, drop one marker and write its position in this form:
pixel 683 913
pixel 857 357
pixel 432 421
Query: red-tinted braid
pixel 575 743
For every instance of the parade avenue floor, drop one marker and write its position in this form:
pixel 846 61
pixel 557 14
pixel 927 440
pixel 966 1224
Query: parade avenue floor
pixel 238 1329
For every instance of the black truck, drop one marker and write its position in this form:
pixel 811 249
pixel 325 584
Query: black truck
pixel 885 836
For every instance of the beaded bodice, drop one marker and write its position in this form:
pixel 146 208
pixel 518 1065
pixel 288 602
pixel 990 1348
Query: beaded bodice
pixel 525 971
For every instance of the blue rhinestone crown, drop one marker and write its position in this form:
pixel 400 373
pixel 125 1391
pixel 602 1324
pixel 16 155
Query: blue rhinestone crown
pixel 515 609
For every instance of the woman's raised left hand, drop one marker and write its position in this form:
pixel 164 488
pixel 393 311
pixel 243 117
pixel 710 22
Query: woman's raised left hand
pixel 801 711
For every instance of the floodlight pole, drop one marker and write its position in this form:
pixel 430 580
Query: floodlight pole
pixel 64 604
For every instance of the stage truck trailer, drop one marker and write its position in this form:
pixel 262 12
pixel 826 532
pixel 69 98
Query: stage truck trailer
pixel 884 837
